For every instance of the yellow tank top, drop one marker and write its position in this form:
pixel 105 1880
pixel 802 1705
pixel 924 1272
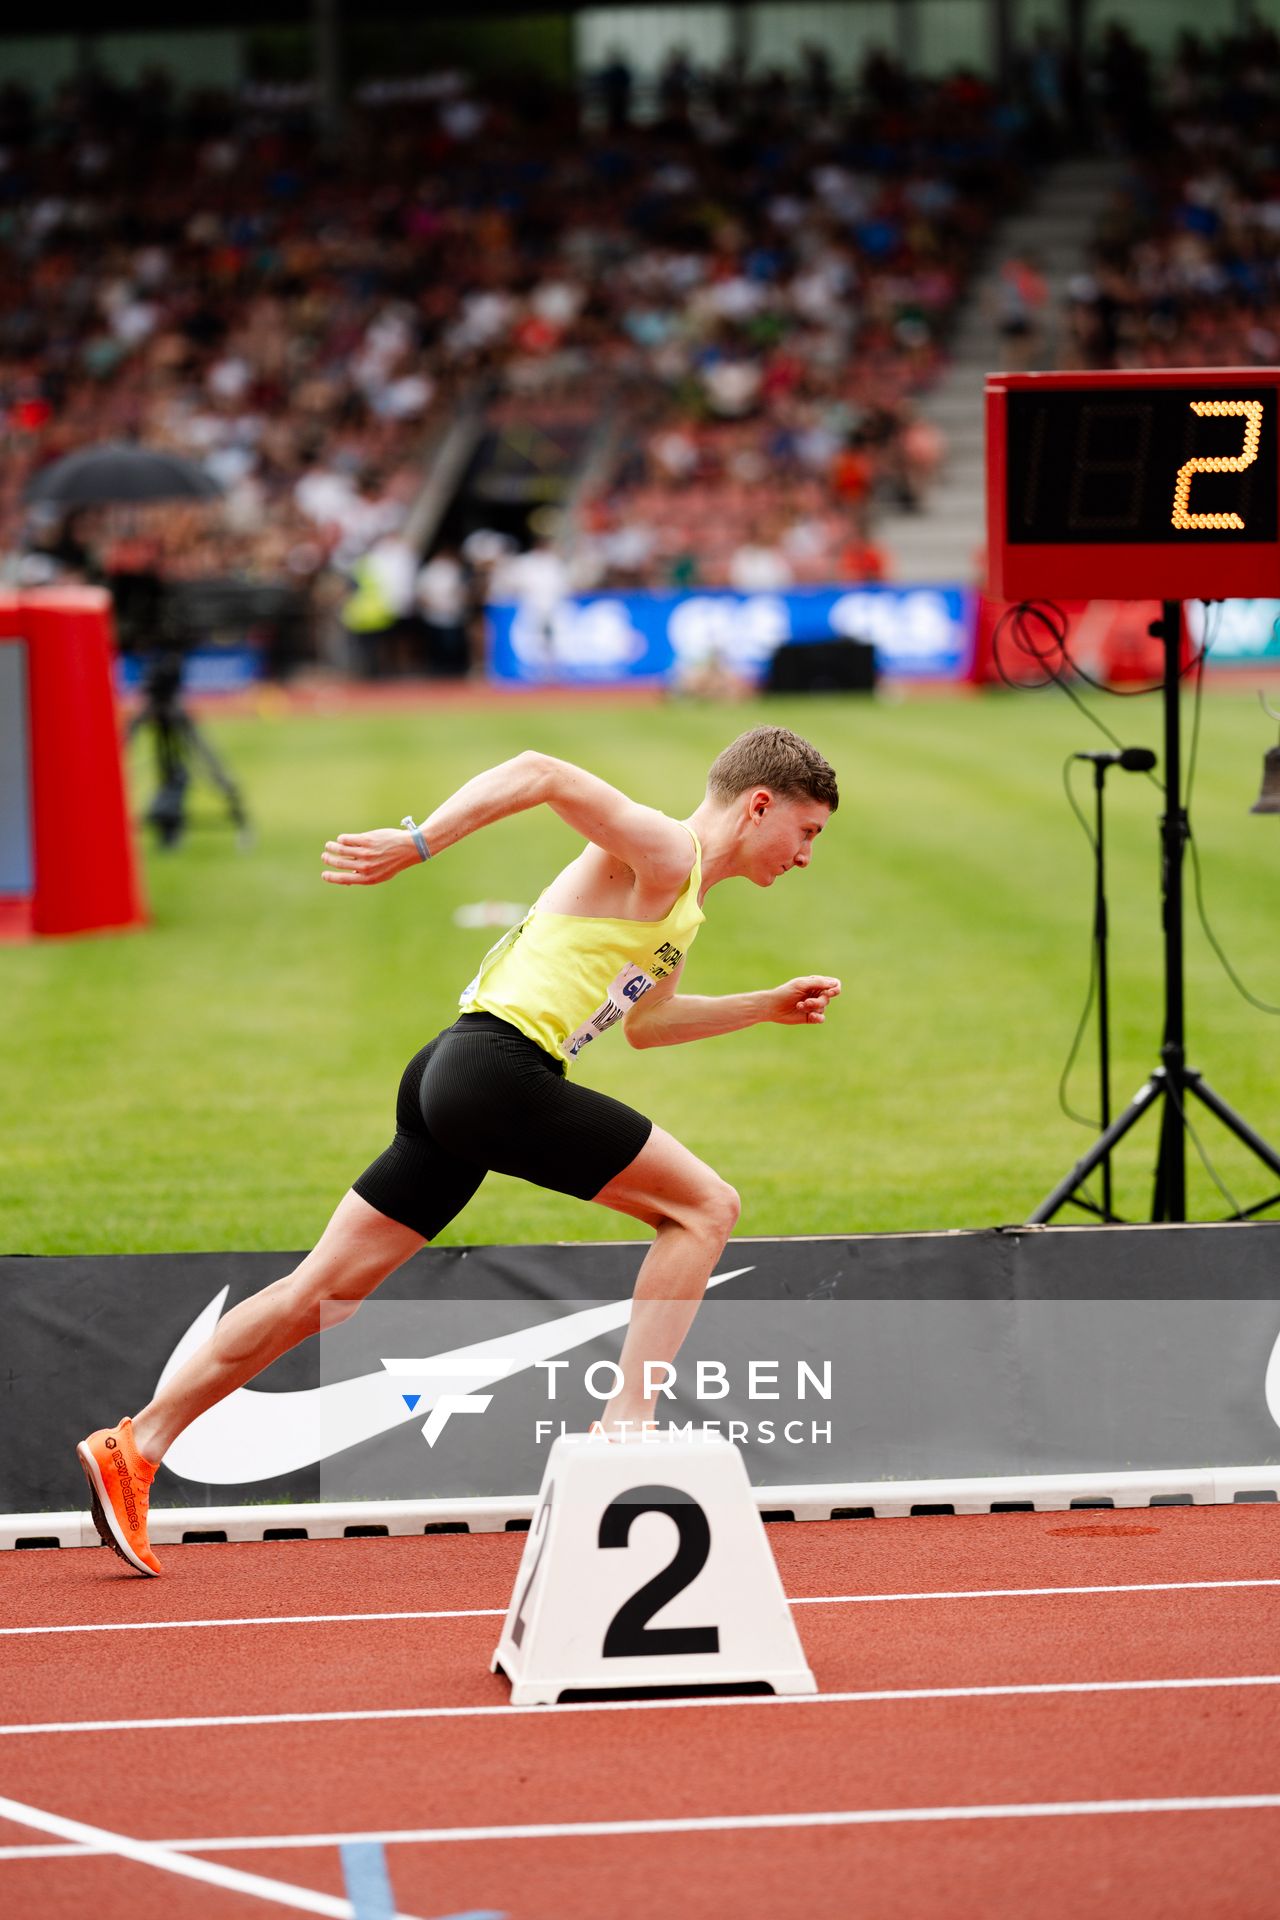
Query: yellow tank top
pixel 563 978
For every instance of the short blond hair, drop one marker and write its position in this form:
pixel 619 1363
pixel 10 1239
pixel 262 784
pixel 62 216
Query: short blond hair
pixel 776 758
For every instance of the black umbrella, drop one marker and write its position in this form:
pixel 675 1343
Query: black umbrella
pixel 120 474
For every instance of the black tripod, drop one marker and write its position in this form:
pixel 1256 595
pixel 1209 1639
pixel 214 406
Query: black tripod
pixel 179 741
pixel 1173 1079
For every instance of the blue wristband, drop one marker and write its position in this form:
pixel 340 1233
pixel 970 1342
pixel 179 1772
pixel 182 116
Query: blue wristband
pixel 415 834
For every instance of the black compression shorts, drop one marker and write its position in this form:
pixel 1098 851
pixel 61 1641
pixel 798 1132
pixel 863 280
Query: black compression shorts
pixel 481 1098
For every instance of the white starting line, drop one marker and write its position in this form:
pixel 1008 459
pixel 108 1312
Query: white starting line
pixel 495 1613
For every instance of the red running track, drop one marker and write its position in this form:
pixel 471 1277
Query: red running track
pixel 917 1610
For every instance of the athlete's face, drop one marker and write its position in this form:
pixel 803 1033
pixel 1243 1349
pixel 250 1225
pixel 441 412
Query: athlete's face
pixel 780 834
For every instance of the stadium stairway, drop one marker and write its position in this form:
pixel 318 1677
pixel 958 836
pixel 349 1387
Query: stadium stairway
pixel 942 541
pixel 445 462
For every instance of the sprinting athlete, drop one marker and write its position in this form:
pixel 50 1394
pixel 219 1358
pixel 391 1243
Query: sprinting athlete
pixel 606 942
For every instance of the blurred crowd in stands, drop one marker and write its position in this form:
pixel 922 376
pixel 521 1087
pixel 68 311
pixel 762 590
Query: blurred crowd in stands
pixel 1187 261
pixel 689 343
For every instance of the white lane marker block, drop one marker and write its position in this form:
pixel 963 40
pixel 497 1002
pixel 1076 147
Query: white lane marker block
pixel 646 1565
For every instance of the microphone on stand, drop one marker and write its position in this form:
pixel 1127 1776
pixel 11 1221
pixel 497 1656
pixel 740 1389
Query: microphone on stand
pixel 1130 759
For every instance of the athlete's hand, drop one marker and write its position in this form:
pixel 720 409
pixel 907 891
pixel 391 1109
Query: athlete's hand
pixel 363 859
pixel 803 1002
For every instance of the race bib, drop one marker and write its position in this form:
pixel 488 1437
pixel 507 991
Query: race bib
pixel 629 986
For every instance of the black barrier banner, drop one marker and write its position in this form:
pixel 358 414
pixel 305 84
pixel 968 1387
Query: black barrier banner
pixel 879 1357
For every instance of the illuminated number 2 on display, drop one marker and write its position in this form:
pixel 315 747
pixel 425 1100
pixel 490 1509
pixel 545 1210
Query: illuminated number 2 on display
pixel 1251 410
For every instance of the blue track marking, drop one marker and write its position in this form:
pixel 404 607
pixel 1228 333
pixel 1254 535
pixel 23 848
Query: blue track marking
pixel 364 1868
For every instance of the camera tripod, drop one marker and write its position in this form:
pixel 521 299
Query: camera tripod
pixel 178 742
pixel 1173 1081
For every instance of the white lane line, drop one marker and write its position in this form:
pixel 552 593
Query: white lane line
pixel 712 1823
pixel 260 1620
pixel 495 1613
pixel 149 1853
pixel 1027 1593
pixel 186 1722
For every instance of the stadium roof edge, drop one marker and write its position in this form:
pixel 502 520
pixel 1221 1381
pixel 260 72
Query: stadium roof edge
pixel 172 16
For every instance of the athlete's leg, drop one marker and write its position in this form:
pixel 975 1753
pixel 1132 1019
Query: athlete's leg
pixel 409 1193
pixel 693 1212
pixel 355 1254
pixel 358 1248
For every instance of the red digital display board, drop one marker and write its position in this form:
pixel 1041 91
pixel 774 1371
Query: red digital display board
pixel 1134 486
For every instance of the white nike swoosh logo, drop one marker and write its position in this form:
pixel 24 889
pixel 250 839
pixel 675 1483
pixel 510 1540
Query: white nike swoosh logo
pixel 253 1435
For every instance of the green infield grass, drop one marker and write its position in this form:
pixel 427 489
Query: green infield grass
pixel 217 1080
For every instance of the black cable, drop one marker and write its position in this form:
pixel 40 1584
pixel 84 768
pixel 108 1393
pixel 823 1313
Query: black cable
pixel 1211 614
pixel 1263 1006
pixel 1091 992
pixel 1209 1167
pixel 1054 621
pixel 1074 804
pixel 1212 622
pixel 1210 639
pixel 1051 618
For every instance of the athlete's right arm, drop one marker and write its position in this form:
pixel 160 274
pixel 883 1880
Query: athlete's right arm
pixel 652 845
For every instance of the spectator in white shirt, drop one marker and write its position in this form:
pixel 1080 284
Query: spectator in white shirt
pixel 442 595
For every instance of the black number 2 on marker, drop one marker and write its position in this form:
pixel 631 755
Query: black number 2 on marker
pixel 629 1632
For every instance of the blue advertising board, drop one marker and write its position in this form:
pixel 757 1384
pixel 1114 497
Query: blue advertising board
pixel 602 639
pixel 204 670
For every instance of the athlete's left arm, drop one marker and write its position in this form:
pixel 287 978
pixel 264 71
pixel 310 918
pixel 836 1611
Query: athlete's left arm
pixel 663 1018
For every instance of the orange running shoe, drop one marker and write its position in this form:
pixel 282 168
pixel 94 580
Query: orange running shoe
pixel 120 1489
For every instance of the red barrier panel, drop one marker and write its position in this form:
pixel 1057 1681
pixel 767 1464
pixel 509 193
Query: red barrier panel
pixel 85 868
